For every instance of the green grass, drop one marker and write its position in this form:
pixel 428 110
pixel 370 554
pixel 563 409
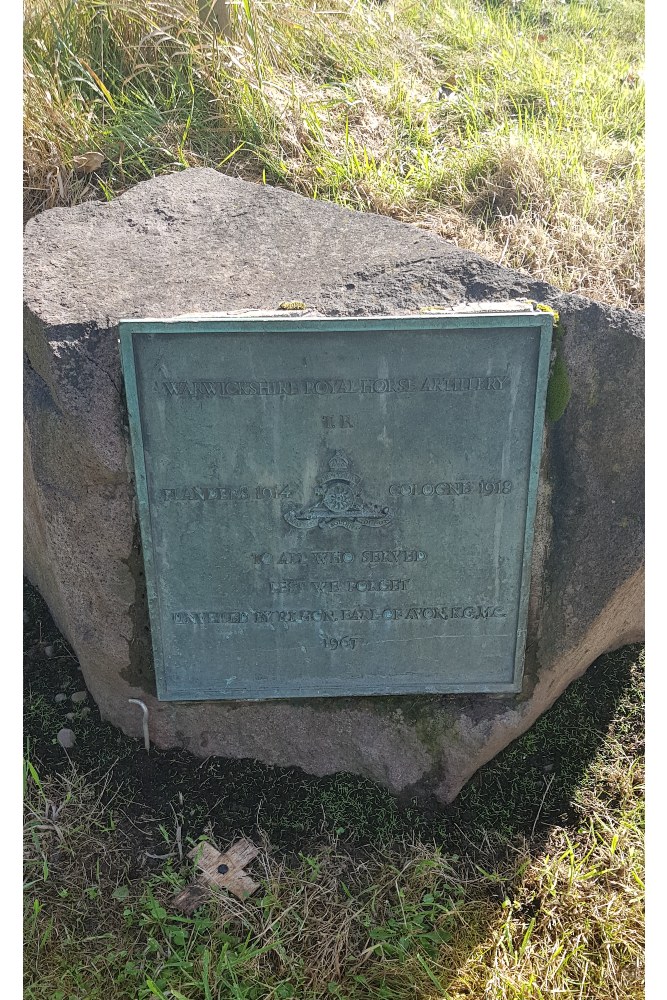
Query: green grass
pixel 406 922
pixel 512 127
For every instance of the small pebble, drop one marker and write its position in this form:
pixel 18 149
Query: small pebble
pixel 79 696
pixel 85 711
pixel 49 651
pixel 60 698
pixel 66 738
pixel 70 716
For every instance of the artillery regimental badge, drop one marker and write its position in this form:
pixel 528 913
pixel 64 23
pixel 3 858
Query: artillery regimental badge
pixel 340 502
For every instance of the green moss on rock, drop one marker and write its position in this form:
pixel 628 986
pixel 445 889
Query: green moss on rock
pixel 558 390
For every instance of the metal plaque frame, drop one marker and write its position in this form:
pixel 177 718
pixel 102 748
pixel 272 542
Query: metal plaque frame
pixel 273 325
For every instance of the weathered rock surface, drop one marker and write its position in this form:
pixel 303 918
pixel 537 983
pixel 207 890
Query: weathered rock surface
pixel 198 241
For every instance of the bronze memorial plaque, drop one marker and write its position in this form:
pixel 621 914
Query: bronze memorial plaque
pixel 337 506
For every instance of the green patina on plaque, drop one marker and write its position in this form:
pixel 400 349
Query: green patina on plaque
pixel 337 506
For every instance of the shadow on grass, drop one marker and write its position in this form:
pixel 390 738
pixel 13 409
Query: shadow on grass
pixel 523 792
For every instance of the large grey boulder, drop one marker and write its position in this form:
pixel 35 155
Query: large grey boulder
pixel 197 242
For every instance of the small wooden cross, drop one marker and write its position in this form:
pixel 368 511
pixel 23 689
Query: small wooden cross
pixel 224 870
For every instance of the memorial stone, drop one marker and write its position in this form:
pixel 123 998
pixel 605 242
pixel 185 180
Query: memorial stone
pixel 198 242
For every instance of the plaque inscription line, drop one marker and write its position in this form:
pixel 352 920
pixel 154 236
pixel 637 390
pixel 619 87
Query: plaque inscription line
pixel 202 388
pixel 364 643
